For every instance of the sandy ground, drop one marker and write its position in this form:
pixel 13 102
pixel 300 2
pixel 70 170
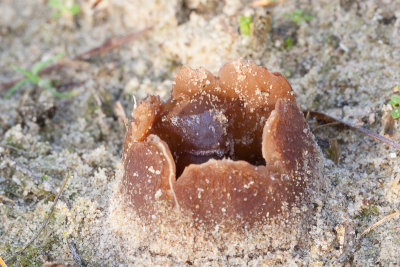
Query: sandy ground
pixel 344 61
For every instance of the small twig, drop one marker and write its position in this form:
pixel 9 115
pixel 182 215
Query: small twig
pixel 61 63
pixel 345 255
pixel 329 119
pixel 96 3
pixel 120 113
pixel 74 252
pixel 384 219
pixel 110 44
pixel 12 259
pixel 104 126
pixel 104 47
pixel 326 125
pixel 335 150
pixel 307 115
pixel 73 63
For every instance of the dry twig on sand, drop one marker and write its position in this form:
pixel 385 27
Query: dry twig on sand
pixel 96 3
pixel 14 257
pixel 110 44
pixel 384 219
pixel 350 251
pixel 120 113
pixel 103 48
pixel 332 121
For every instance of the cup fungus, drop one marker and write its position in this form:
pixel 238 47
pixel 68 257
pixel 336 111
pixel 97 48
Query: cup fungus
pixel 231 150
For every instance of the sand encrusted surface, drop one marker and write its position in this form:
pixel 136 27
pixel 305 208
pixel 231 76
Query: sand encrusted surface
pixel 345 61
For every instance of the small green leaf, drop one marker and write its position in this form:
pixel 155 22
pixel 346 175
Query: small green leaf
pixel 245 23
pixel 38 66
pixel 60 8
pixel 299 16
pixel 396 113
pixel 288 43
pixel 44 177
pixel 32 77
pixel 56 14
pixel 74 9
pixel 395 100
pixel 15 88
pixel 55 4
pixel 398 87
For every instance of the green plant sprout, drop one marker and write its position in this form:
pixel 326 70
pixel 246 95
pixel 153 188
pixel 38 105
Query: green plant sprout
pixel 61 8
pixel 245 24
pixel 33 78
pixel 288 43
pixel 299 16
pixel 395 102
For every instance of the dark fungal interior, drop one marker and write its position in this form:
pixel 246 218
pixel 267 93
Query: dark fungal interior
pixel 212 117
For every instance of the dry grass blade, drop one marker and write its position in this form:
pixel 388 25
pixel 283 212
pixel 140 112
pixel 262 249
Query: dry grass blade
pixel 335 150
pixel 327 125
pixel 334 121
pixel 110 44
pixel 384 219
pixel 12 259
pixel 96 3
pixel 120 113
pixel 356 246
pixel 103 48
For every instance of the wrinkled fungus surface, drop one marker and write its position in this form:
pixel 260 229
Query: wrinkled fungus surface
pixel 232 149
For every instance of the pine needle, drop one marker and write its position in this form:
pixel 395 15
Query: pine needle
pixel 330 121
pixel 14 257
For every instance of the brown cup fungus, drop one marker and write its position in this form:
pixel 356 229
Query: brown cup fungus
pixel 231 150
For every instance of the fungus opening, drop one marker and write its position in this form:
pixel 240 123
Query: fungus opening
pixel 212 117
